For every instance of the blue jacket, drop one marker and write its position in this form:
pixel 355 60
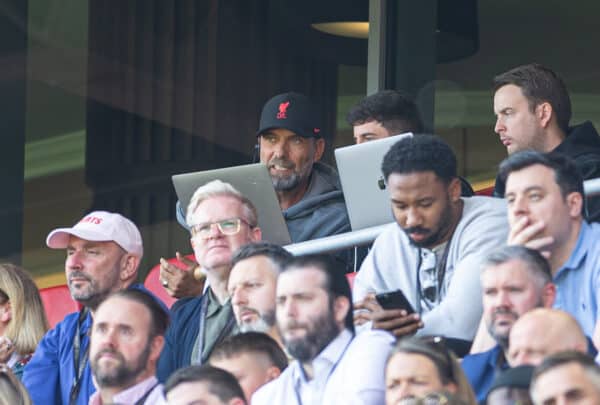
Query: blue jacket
pixel 50 373
pixel 180 337
pixel 480 369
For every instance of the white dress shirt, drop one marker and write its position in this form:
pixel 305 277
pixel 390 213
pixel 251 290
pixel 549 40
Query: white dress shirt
pixel 350 370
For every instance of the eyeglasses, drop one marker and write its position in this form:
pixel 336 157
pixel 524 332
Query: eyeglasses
pixel 227 227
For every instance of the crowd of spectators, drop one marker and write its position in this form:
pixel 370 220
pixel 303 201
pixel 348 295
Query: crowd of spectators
pixel 461 300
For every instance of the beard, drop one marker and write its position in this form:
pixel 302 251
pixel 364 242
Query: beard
pixel 90 294
pixel 444 225
pixel 322 331
pixel 291 181
pixel 263 324
pixel 121 374
pixel 501 337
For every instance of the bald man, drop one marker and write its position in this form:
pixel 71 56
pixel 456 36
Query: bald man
pixel 542 332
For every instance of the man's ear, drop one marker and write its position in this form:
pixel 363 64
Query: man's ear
pixel 319 148
pixel 454 189
pixel 544 113
pixel 272 373
pixel 548 295
pixel 575 203
pixel 156 347
pixel 341 306
pixel 129 266
pixel 255 234
pixel 5 312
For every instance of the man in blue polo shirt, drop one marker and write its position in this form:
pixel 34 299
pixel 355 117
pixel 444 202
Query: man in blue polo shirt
pixel 514 281
pixel 545 200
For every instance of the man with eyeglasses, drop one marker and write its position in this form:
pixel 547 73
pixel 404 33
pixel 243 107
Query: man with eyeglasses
pixel 221 220
pixel 434 250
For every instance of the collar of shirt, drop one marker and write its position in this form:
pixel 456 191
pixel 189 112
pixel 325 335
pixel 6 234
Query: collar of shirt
pixel 580 251
pixel 214 305
pixel 131 394
pixel 325 362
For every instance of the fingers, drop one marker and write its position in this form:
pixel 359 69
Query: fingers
pixel 523 231
pixel 189 264
pixel 397 322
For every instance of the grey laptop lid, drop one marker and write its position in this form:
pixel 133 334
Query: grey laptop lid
pixel 254 182
pixel 359 167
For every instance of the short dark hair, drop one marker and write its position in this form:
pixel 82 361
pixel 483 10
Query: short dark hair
pixel 539 84
pixel 591 368
pixel 566 174
pixel 251 342
pixel 336 283
pixel 220 383
pixel 537 265
pixel 421 153
pixel 395 110
pixel 278 255
pixel 159 317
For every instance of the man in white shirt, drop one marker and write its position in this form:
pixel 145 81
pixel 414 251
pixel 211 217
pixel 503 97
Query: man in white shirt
pixel 126 340
pixel 314 316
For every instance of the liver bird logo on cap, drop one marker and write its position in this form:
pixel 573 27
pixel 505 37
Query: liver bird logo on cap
pixel 282 114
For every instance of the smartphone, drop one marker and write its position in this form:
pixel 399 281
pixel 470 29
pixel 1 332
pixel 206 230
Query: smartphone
pixel 394 300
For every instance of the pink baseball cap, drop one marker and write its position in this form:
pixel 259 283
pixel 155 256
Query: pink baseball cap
pixel 101 226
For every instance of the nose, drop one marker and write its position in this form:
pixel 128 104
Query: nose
pixel 413 218
pixel 73 260
pixel 215 232
pixel 405 390
pixel 239 297
pixel 502 299
pixel 499 127
pixel 518 207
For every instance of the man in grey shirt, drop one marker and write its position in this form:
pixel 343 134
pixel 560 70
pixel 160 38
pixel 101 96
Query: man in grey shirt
pixel 433 252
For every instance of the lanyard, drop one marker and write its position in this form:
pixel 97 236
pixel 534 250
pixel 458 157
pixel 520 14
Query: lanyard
pixel 146 395
pixel 198 359
pixel 79 362
pixel 297 389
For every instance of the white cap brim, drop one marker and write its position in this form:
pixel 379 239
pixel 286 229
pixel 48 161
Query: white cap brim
pixel 59 238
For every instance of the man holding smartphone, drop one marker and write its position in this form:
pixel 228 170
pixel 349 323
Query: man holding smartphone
pixel 433 253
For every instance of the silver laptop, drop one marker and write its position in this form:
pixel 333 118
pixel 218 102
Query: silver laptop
pixel 254 182
pixel 359 167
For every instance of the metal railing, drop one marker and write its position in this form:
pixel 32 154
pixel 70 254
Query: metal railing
pixel 366 236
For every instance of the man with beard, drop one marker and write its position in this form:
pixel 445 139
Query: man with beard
pixel 126 340
pixel 434 250
pixel 514 280
pixel 221 220
pixel 251 286
pixel 103 254
pixel 314 317
pixel 310 196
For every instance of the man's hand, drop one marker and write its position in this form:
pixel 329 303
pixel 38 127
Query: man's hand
pixel 530 234
pixel 178 282
pixel 396 321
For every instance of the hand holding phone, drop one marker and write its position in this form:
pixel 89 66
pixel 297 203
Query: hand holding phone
pixel 394 300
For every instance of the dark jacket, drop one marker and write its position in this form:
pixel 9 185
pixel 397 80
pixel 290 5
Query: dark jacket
pixel 582 144
pixel 181 336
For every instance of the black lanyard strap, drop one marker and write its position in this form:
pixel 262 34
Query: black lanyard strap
pixel 79 362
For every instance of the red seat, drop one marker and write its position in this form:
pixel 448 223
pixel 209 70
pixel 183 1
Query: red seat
pixel 487 191
pixel 152 282
pixel 58 303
